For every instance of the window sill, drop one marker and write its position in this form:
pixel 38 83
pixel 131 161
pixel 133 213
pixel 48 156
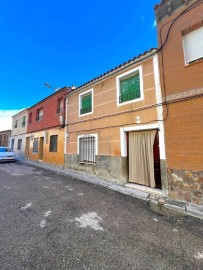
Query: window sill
pixel 87 163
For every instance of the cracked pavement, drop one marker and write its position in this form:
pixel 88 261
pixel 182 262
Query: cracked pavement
pixel 49 221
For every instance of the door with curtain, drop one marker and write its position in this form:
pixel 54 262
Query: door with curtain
pixel 141 157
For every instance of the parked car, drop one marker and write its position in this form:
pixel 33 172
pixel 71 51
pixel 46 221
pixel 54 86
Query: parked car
pixel 6 154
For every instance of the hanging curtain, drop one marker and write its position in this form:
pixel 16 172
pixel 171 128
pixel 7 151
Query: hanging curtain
pixel 141 157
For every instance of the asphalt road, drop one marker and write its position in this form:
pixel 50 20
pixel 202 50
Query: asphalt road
pixel 53 222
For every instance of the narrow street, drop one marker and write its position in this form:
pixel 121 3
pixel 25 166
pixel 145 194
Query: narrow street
pixel 55 222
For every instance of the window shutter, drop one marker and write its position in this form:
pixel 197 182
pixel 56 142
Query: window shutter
pixel 193 45
pixel 130 88
pixel 87 101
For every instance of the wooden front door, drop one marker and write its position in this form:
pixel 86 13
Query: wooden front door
pixel 41 148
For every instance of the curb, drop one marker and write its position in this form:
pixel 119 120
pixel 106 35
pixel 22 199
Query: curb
pixel 160 204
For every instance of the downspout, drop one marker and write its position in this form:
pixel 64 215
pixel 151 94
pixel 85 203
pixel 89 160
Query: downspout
pixel 66 126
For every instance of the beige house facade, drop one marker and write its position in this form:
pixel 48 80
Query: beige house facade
pixel 18 133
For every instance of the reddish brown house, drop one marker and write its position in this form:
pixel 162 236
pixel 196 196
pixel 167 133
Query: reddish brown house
pixel 180 33
pixel 5 138
pixel 46 129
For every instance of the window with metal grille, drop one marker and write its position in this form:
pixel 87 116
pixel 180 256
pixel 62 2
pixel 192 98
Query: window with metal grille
pixel 39 115
pixel 23 122
pixel 59 106
pixel 53 143
pixel 87 149
pixel 86 102
pixel 30 119
pixel 35 145
pixel 16 124
pixel 129 88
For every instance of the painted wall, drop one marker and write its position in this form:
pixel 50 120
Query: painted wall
pixel 48 157
pixel 107 117
pixel 184 93
pixel 50 116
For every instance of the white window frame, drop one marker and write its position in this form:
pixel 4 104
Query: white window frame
pixel 199 44
pixel 84 136
pixel 132 72
pixel 80 101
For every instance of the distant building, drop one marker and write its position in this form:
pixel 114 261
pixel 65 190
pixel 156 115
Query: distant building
pixel 5 138
pixel 180 33
pixel 45 130
pixel 18 133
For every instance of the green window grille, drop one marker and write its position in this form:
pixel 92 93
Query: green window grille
pixel 129 88
pixel 86 104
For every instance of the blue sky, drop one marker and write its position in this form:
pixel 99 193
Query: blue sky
pixel 67 42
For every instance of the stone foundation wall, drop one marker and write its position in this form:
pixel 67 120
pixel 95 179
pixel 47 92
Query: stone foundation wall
pixel 186 186
pixel 112 168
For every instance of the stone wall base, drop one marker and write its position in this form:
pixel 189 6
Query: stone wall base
pixel 186 186
pixel 112 168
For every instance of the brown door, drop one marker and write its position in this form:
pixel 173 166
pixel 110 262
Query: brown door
pixel 41 148
pixel 157 170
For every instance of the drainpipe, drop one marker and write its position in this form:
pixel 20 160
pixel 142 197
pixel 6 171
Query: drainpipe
pixel 66 126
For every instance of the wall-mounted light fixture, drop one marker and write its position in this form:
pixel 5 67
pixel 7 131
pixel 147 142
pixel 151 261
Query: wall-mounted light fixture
pixel 138 120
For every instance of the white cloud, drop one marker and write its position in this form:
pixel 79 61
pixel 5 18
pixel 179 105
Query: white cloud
pixel 154 24
pixel 6 118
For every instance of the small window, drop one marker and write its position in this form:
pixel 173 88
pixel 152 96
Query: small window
pixel 193 46
pixel 39 115
pixel 35 145
pixel 59 106
pixel 129 86
pixel 30 118
pixel 87 149
pixel 16 124
pixel 86 102
pixel 53 143
pixel 19 146
pixel 23 122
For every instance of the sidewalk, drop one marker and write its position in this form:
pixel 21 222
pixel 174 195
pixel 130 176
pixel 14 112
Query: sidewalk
pixel 158 203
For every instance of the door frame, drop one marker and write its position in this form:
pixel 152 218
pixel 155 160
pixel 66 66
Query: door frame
pixel 160 128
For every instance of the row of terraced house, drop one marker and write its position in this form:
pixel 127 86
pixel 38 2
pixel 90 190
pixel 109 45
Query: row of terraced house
pixel 140 123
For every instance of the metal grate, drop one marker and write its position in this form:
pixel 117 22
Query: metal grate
pixel 86 110
pixel 129 96
pixel 87 149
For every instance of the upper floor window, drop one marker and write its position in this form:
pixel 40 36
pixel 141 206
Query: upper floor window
pixel 59 105
pixel 86 102
pixel 130 86
pixel 39 115
pixel 30 118
pixel 16 124
pixel 193 45
pixel 23 122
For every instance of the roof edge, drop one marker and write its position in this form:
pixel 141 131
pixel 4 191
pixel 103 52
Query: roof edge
pixel 134 60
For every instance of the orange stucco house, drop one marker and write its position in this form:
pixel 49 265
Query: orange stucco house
pixel 110 116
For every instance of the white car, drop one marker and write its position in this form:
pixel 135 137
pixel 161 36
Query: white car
pixel 6 154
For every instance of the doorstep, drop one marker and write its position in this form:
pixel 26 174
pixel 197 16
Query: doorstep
pixel 145 189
